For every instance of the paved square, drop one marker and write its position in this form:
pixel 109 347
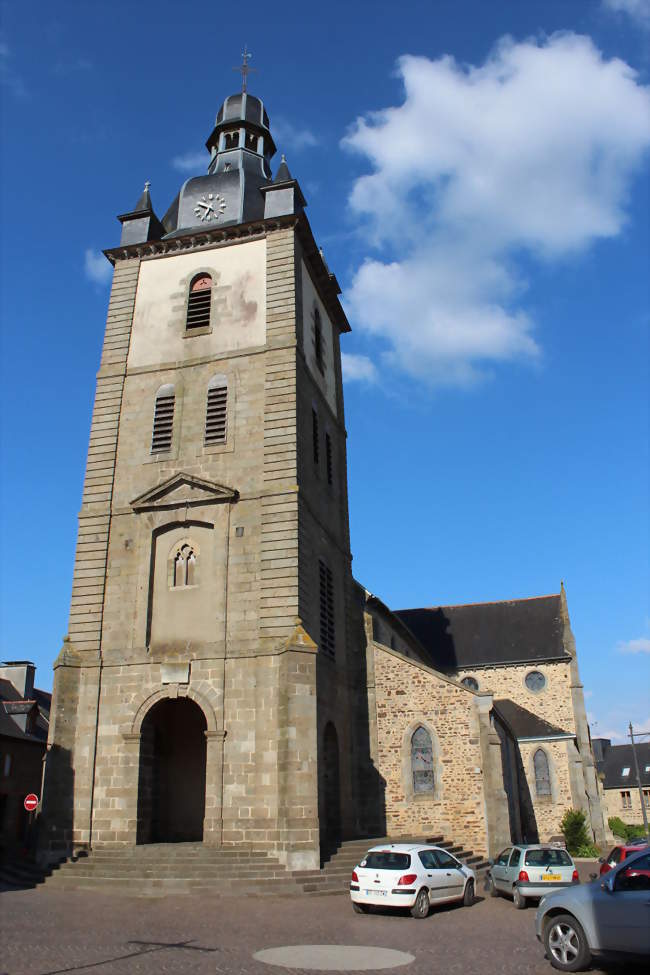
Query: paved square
pixel 51 933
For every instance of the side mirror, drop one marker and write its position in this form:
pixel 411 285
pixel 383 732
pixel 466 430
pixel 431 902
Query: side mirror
pixel 608 884
pixel 491 861
pixel 601 859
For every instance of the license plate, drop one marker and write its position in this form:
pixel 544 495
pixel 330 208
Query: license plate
pixel 375 893
pixel 551 876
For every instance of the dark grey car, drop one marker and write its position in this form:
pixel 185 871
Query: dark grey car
pixel 611 915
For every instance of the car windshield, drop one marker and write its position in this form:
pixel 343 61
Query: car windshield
pixel 547 858
pixel 386 860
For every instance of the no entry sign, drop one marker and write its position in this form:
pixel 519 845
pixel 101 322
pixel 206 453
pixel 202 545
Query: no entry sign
pixel 30 802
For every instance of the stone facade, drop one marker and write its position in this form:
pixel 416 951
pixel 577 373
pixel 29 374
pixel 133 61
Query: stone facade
pixel 294 699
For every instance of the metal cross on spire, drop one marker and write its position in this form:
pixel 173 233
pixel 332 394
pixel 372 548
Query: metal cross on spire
pixel 244 67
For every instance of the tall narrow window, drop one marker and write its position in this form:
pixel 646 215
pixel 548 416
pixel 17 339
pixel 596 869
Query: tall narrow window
pixel 314 435
pixel 422 761
pixel 184 567
pixel 626 799
pixel 216 413
pixel 327 635
pixel 542 773
pixel 328 458
pixel 163 420
pixel 318 340
pixel 198 302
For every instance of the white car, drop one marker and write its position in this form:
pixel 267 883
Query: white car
pixel 410 875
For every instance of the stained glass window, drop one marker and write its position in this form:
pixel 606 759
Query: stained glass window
pixel 422 761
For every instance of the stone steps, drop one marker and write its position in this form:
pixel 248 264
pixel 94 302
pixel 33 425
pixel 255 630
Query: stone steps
pixel 160 869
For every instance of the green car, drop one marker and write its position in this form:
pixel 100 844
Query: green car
pixel 530 870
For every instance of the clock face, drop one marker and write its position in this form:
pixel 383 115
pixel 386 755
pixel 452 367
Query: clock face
pixel 209 207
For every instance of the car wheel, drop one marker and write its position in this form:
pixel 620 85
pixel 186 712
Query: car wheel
pixel 468 896
pixel 491 888
pixel 359 908
pixel 566 944
pixel 421 907
pixel 518 899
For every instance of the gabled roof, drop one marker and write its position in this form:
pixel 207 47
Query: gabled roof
pixel 13 706
pixel 524 724
pixel 482 634
pixel 620 757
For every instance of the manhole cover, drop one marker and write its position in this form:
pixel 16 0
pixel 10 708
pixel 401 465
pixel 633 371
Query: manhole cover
pixel 334 958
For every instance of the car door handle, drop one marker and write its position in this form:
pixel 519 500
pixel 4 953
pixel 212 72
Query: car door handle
pixel 431 875
pixel 448 874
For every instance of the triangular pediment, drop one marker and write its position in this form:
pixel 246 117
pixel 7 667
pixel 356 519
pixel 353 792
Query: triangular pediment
pixel 183 489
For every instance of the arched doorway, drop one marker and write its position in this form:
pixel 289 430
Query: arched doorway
pixel 331 785
pixel 171 785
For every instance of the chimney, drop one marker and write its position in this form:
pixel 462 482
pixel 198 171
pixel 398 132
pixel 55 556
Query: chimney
pixel 20 673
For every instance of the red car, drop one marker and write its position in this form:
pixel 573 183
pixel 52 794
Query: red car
pixel 618 854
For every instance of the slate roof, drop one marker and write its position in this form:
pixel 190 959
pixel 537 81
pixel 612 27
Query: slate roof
pixel 481 634
pixel 11 704
pixel 524 724
pixel 619 757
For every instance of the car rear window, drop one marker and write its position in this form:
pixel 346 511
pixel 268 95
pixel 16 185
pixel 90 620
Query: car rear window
pixel 548 858
pixel 387 861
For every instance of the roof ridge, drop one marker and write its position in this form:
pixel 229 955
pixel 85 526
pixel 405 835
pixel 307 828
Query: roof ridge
pixel 489 602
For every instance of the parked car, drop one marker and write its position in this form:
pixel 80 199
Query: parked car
pixel 411 876
pixel 530 870
pixel 620 853
pixel 609 916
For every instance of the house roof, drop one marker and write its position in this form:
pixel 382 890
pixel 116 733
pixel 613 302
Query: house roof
pixel 620 757
pixel 13 706
pixel 483 634
pixel 524 724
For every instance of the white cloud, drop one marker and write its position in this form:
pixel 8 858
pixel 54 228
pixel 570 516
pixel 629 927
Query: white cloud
pixel 288 136
pixel 640 645
pixel 531 153
pixel 97 268
pixel 358 367
pixel 638 10
pixel 192 162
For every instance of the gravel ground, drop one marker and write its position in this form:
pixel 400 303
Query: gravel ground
pixel 53 932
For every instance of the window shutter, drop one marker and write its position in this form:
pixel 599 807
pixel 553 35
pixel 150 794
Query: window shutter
pixel 163 423
pixel 328 457
pixel 327 635
pixel 314 435
pixel 198 303
pixel 216 414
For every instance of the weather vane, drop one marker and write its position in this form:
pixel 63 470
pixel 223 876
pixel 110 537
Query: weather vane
pixel 244 67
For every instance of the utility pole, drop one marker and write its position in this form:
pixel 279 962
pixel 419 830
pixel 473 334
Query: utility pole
pixel 638 780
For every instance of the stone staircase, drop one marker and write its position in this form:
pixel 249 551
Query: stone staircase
pixel 158 869
pixel 21 874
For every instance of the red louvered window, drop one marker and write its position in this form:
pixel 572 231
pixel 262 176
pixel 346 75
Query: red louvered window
pixel 198 303
pixel 314 436
pixel 328 458
pixel 318 340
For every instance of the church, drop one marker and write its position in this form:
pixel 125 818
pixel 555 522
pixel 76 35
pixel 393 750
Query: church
pixel 224 678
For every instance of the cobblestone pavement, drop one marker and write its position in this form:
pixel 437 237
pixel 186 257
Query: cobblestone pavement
pixel 53 932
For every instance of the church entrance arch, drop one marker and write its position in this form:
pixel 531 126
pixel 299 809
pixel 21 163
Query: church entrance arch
pixel 331 784
pixel 171 783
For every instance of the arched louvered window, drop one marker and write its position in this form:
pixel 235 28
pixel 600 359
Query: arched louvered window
pixel 163 420
pixel 422 761
pixel 184 567
pixel 542 773
pixel 216 413
pixel 198 302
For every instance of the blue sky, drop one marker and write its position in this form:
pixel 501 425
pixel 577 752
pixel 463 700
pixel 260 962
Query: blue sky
pixel 477 175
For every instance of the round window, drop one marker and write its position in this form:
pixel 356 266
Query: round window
pixel 535 681
pixel 470 682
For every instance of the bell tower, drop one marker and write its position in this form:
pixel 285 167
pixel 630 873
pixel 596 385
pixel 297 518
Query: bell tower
pixel 212 583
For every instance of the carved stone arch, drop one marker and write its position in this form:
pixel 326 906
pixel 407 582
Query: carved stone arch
pixel 407 772
pixel 148 701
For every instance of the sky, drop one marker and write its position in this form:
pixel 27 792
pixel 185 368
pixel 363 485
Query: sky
pixel 477 176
